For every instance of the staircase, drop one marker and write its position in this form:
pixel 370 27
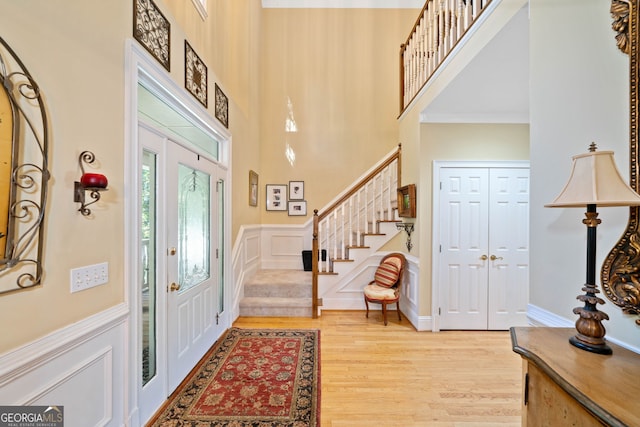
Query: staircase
pixel 288 293
pixel 350 230
pixel 281 293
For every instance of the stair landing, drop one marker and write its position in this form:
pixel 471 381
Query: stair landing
pixel 281 293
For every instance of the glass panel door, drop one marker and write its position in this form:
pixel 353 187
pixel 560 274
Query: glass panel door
pixel 148 283
pixel 221 251
pixel 194 215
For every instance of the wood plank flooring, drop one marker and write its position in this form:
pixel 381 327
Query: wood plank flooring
pixel 374 375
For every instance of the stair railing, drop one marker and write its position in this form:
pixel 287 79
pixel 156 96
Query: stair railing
pixel 344 223
pixel 439 27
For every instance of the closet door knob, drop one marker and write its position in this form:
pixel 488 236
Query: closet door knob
pixel 493 257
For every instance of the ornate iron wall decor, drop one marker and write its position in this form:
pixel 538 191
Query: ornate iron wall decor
pixel 620 274
pixel 222 107
pixel 23 174
pixel 195 75
pixel 152 30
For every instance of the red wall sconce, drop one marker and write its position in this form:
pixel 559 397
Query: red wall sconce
pixel 93 183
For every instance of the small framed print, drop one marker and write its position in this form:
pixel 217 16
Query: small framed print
pixel 298 208
pixel 296 190
pixel 253 188
pixel 276 197
pixel 195 74
pixel 407 201
pixel 222 106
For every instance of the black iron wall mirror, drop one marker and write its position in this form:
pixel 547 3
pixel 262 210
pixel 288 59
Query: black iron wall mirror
pixel 620 274
pixel 23 174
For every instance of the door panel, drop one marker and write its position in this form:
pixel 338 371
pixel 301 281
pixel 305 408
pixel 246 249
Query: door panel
pixel 192 269
pixel 509 241
pixel 463 243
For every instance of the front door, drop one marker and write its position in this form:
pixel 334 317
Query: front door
pixel 483 262
pixel 181 201
pixel 192 273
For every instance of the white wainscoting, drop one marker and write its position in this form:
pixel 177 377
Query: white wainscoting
pixel 282 246
pixel 80 367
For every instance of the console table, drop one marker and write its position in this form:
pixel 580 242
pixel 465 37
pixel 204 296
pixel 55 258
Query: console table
pixel 567 386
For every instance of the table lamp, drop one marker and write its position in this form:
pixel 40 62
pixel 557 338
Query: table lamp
pixel 594 181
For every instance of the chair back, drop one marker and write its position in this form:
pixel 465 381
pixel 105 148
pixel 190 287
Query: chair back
pixel 400 261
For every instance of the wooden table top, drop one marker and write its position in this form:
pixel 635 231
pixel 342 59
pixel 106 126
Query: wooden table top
pixel 608 386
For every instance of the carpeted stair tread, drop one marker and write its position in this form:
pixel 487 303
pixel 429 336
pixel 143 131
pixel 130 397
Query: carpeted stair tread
pixel 266 277
pixel 285 293
pixel 276 302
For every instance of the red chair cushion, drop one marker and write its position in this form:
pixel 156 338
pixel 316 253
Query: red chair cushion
pixel 386 274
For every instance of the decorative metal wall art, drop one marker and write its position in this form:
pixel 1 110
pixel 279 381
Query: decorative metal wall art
pixel 195 74
pixel 24 177
pixel 222 107
pixel 152 30
pixel 620 274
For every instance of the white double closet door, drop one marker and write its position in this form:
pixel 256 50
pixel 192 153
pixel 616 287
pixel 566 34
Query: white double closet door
pixel 483 254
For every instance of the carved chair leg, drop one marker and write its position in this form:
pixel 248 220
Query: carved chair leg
pixel 384 313
pixel 367 304
pixel 398 309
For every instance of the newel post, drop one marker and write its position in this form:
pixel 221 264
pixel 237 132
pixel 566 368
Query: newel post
pixel 314 266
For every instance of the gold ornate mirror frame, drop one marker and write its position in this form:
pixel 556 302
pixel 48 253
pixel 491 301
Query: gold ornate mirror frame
pixel 620 274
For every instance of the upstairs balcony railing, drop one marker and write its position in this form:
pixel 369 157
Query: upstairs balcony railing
pixel 439 27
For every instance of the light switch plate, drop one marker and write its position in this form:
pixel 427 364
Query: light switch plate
pixel 89 276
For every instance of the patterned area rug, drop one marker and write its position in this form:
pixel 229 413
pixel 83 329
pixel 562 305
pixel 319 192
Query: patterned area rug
pixel 252 377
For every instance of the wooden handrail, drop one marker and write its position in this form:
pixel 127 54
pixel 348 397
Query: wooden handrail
pixel 363 181
pixel 317 217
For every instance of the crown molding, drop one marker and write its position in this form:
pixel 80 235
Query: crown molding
pixel 343 4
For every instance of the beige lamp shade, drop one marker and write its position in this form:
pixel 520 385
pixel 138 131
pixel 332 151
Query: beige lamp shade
pixel 595 180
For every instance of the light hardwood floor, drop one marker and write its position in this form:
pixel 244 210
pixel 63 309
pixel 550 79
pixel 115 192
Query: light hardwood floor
pixel 372 375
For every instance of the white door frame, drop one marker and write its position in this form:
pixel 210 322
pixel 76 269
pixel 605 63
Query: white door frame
pixel 435 223
pixel 141 67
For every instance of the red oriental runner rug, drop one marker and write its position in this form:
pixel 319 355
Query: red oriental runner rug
pixel 252 377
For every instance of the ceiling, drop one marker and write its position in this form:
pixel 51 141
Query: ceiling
pixel 494 86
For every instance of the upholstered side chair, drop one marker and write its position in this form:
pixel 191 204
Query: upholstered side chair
pixel 385 287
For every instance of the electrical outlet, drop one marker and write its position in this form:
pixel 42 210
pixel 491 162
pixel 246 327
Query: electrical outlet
pixel 89 276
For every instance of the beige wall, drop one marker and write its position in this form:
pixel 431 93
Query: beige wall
pixel 576 100
pixel 339 69
pixel 229 44
pixel 75 51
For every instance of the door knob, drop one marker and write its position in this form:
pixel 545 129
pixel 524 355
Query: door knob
pixel 493 257
pixel 174 287
pixel 172 251
pixel 483 257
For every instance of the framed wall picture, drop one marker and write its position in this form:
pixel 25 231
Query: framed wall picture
pixel 152 30
pixel 276 197
pixel 296 190
pixel 195 74
pixel 253 188
pixel 407 201
pixel 298 208
pixel 222 107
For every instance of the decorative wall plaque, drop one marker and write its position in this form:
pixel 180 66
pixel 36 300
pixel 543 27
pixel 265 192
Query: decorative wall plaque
pixel 222 107
pixel 195 74
pixel 152 30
